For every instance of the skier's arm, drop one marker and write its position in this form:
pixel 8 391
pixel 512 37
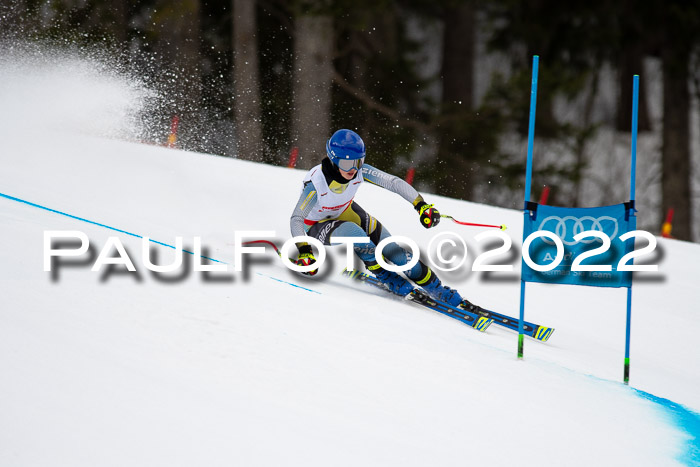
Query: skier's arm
pixel 429 216
pixel 306 202
pixel 391 183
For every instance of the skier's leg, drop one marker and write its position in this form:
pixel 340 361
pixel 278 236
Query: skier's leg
pixel 365 251
pixel 348 224
pixel 421 274
pixel 359 224
pixel 393 252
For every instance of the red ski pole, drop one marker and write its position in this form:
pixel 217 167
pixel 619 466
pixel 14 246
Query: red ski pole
pixel 266 242
pixel 501 227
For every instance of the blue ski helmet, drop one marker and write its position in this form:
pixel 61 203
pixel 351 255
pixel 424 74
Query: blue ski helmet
pixel 346 150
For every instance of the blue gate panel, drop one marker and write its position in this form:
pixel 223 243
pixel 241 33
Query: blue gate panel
pixel 565 223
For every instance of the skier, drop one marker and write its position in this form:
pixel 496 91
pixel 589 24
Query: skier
pixel 326 209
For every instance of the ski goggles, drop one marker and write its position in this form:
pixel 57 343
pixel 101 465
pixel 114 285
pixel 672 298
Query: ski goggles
pixel 347 165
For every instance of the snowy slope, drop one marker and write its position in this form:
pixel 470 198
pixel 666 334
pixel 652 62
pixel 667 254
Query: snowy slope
pixel 117 368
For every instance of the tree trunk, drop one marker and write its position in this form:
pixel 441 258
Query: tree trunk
pixel 178 43
pixel 457 171
pixel 118 18
pixel 15 16
pixel 246 82
pixel 583 138
pixel 313 75
pixel 675 182
pixel 458 56
pixel 631 63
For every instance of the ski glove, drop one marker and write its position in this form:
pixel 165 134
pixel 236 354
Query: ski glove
pixel 305 258
pixel 429 216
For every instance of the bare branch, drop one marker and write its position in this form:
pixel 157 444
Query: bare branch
pixel 374 105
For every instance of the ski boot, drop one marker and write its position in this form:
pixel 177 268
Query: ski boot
pixel 395 283
pixel 436 290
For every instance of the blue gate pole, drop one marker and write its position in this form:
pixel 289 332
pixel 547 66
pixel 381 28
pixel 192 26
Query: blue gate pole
pixel 626 373
pixel 633 174
pixel 635 110
pixel 528 189
pixel 521 336
pixel 531 127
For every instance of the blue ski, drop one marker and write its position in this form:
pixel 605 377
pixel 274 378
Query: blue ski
pixel 477 321
pixel 536 331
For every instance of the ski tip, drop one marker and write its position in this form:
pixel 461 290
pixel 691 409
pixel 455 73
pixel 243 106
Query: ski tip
pixel 354 274
pixel 543 333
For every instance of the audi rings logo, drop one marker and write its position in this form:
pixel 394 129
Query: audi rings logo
pixel 567 227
